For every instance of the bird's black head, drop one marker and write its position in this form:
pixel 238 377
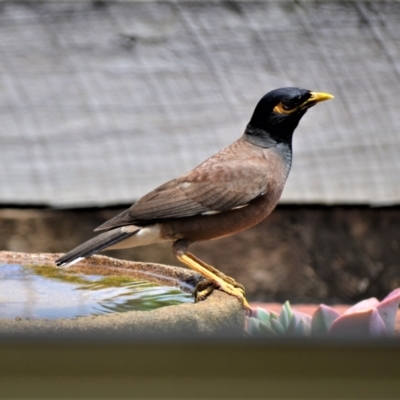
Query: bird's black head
pixel 278 113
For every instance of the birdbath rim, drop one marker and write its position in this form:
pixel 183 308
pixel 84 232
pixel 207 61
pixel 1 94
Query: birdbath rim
pixel 218 315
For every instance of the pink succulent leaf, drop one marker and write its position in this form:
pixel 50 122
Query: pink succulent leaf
pixel 364 305
pixel 322 320
pixel 360 324
pixel 387 309
pixel 393 293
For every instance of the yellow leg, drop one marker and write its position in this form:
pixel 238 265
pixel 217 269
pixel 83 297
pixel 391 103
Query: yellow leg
pixel 215 271
pixel 215 277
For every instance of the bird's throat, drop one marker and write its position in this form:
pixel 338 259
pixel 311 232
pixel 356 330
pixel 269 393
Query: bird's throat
pixel 262 138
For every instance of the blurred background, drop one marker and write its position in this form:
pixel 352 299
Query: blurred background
pixel 101 101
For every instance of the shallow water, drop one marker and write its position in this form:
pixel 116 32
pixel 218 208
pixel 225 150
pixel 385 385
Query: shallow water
pixel 47 292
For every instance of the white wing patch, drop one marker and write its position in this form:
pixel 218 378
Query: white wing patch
pixel 212 212
pixel 238 207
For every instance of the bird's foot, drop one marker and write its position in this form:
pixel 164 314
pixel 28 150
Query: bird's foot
pixel 203 289
pixel 214 279
pixel 207 286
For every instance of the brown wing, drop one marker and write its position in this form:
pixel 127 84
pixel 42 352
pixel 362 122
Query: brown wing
pixel 209 189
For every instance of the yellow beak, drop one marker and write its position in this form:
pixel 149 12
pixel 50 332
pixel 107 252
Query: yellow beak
pixel 317 97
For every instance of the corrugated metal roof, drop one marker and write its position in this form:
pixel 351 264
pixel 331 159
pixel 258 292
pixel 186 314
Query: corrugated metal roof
pixel 100 102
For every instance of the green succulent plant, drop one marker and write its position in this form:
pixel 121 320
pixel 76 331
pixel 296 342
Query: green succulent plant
pixel 368 318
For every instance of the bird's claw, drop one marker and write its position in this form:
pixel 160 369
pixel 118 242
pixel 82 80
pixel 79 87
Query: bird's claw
pixel 205 287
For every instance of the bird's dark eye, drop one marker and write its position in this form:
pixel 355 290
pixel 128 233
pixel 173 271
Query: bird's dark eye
pixel 287 106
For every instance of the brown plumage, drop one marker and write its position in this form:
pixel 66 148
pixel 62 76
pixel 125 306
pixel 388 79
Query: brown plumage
pixel 231 191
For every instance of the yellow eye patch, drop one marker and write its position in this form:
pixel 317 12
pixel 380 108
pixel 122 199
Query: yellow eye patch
pixel 283 109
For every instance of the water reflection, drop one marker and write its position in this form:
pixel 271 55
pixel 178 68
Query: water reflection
pixel 47 292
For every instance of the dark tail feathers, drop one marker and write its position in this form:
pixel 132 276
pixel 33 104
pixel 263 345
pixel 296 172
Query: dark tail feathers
pixel 93 246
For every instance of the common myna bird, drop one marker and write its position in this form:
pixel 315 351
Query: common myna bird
pixel 233 190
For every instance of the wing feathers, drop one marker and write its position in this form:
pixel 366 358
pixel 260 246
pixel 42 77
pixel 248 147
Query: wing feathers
pixel 205 191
